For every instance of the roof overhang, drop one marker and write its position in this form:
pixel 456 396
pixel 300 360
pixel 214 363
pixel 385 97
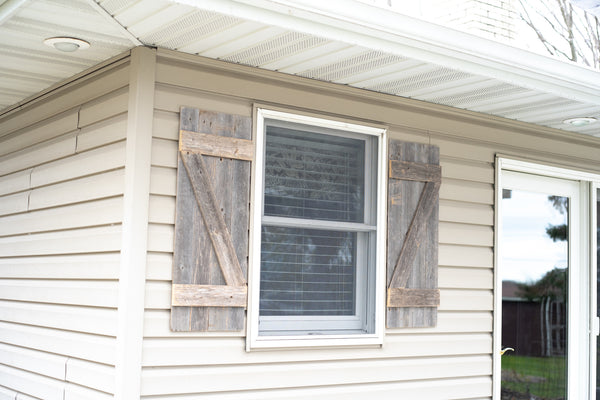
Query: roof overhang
pixel 342 41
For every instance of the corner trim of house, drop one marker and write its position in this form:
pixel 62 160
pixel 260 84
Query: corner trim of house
pixel 132 276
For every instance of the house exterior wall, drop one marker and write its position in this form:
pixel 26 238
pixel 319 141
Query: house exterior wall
pixel 451 361
pixel 62 163
pixel 62 204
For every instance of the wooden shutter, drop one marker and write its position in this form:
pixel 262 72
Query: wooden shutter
pixel 414 179
pixel 209 290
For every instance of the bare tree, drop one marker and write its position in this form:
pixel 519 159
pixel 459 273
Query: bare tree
pixel 564 30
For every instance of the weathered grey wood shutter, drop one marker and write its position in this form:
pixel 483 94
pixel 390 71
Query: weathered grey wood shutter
pixel 210 264
pixel 414 179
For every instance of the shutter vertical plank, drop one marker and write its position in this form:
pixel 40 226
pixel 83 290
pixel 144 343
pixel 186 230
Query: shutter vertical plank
pixel 185 256
pixel 417 268
pixel 228 181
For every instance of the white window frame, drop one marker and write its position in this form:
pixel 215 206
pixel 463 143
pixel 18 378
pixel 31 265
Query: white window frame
pixel 375 290
pixel 582 329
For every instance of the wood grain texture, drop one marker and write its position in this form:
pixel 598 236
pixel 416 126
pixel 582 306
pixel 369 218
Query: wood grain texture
pixel 213 218
pixel 412 253
pixel 401 297
pixel 217 146
pixel 195 260
pixel 412 171
pixel 209 295
pixel 415 236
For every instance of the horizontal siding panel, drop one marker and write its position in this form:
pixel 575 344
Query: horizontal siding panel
pixel 465 256
pixel 468 170
pixel 460 322
pixel 76 392
pixel 7 394
pixel 16 182
pixel 466 300
pixel 91 162
pixel 157 324
pixel 102 133
pixel 159 266
pixel 72 96
pixel 93 187
pixel 103 107
pixel 101 321
pixel 21 396
pixel 462 148
pixel 95 348
pixel 91 375
pixel 468 213
pixel 173 97
pixel 101 212
pixel 87 266
pixel 447 389
pixel 38 362
pixel 163 181
pixel 165 125
pixel 164 153
pixel 466 278
pixel 160 238
pixel 159 381
pixel 161 210
pixel 158 295
pixel 398 343
pixel 37 155
pixel 85 293
pixel 463 234
pixel 467 191
pixel 77 241
pixel 40 132
pixel 31 384
pixel 14 203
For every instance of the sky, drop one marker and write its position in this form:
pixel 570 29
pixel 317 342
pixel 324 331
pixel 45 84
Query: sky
pixel 527 252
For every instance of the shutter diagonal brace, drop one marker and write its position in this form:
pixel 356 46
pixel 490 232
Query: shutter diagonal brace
pixel 398 294
pixel 213 219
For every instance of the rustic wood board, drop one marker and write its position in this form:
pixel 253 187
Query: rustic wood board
pixel 403 199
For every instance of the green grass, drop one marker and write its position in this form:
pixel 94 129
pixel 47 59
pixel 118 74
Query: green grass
pixel 550 371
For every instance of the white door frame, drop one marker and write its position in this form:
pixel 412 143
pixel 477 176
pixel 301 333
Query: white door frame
pixel 581 309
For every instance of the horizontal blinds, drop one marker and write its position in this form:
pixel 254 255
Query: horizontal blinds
pixel 307 272
pixel 314 176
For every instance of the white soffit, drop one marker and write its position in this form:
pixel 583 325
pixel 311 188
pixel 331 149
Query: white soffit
pixel 340 41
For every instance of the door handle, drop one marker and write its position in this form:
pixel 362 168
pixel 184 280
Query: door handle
pixel 504 350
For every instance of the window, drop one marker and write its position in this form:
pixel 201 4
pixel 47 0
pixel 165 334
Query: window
pixel 318 215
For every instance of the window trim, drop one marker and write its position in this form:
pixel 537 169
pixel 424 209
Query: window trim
pixel 254 340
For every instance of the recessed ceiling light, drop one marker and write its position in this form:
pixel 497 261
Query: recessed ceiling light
pixel 66 44
pixel 581 121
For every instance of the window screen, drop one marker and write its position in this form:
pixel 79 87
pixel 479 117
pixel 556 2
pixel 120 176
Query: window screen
pixel 314 236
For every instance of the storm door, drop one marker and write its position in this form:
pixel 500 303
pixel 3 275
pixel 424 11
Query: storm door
pixel 540 281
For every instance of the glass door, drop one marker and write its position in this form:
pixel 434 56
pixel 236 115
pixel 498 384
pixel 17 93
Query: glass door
pixel 539 281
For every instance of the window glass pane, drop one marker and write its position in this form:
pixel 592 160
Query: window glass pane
pixel 314 176
pixel 307 272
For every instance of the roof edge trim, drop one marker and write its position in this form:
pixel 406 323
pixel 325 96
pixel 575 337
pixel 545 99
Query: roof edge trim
pixel 379 29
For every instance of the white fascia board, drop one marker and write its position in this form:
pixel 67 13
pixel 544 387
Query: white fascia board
pixel 356 23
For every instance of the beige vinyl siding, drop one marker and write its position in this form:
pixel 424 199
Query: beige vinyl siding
pixel 452 360
pixel 61 208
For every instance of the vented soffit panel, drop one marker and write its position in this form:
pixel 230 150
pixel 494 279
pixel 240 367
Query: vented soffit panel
pixel 340 41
